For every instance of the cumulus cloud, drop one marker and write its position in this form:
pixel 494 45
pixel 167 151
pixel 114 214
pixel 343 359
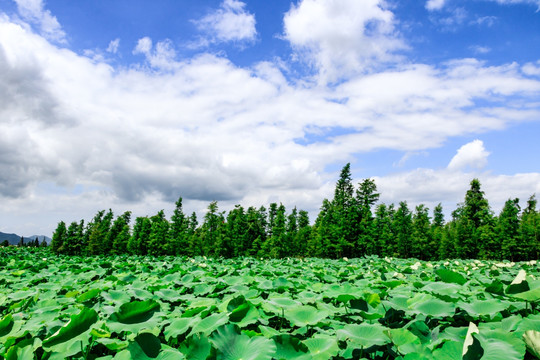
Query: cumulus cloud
pixel 432 5
pixel 34 12
pixel 342 37
pixel 472 155
pixel 82 134
pixel 161 56
pixel 231 22
pixel 449 185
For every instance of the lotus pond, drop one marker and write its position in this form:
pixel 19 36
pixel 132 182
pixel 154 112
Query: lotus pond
pixel 54 307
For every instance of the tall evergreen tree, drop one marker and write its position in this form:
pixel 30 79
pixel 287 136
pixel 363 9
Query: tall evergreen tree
pixel 366 197
pixel 421 233
pixel 530 231
pixel 138 242
pixel 73 242
pixel 303 235
pixel 474 228
pixel 179 235
pixel 384 243
pixel 59 236
pixel 159 234
pixel 403 229
pixel 508 230
pixel 119 234
pixel 437 233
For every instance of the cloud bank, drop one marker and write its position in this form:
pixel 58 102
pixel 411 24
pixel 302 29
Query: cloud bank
pixel 79 134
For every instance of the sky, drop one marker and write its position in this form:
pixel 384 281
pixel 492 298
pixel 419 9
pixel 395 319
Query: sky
pixel 129 105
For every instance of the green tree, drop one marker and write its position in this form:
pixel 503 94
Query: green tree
pixel 138 242
pixel 159 234
pixel 276 246
pixel 73 242
pixel 303 235
pixel 508 230
pixel 529 245
pixel 120 233
pixel 236 242
pixel 179 235
pixel 437 233
pixel 421 234
pixel 474 236
pixel 384 243
pixel 257 230
pixel 58 238
pixel 366 197
pixel 98 233
pixel 403 229
pixel 212 231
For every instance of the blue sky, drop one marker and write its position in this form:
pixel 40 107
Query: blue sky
pixel 129 105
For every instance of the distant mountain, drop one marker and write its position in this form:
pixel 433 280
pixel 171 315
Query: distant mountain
pixel 14 239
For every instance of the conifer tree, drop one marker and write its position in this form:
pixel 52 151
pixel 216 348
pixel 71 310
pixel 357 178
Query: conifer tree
pixel 436 232
pixel 402 226
pixel 384 243
pixel 138 242
pixel 530 231
pixel 421 234
pixel 366 197
pixel 72 243
pixel 159 234
pixel 508 230
pixel 179 231
pixel 59 236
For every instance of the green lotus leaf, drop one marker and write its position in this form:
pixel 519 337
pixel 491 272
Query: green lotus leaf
pixel 135 312
pixel 196 347
pixel 178 327
pixel 116 296
pixel 484 307
pixel 289 347
pixel 363 335
pixel 89 295
pixel 77 325
pixel 434 307
pixel 209 324
pixel 403 339
pixel 322 348
pixel 169 295
pixel 6 324
pixel 450 350
pixel 449 276
pixel 500 345
pixel 145 346
pixel 233 346
pixel 532 340
pixel 305 315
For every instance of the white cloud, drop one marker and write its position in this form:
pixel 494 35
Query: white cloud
pixel 162 56
pixel 34 11
pixel 231 22
pixel 477 49
pixel 472 155
pixel 531 69
pixel 506 2
pixel 113 46
pixel 342 37
pixel 432 5
pixel 79 135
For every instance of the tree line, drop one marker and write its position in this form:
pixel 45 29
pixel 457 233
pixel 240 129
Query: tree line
pixel 351 224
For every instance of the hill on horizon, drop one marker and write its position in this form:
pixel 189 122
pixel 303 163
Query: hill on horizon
pixel 14 239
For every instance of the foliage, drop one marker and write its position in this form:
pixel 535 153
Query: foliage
pixel 165 307
pixel 350 225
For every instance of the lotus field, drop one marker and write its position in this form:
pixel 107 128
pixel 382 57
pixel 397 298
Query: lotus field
pixel 55 307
